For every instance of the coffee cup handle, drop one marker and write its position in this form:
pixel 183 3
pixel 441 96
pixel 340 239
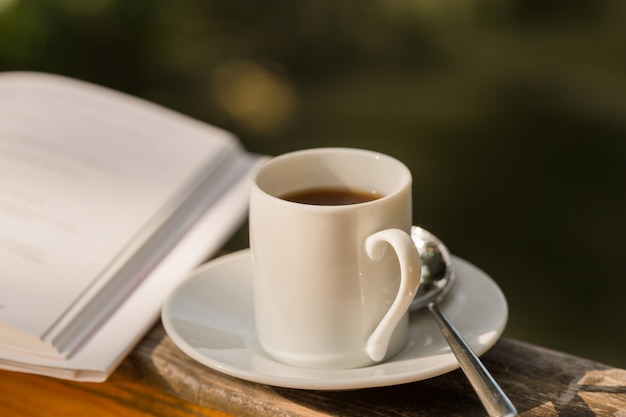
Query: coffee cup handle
pixel 410 273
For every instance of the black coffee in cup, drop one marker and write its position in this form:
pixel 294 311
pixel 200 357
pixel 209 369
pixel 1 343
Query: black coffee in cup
pixel 330 196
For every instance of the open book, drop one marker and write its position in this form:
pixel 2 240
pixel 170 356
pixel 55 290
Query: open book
pixel 106 203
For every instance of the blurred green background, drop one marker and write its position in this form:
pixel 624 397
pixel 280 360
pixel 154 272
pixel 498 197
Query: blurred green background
pixel 511 115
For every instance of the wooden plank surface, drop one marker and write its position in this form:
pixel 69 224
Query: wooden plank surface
pixel 540 382
pixel 24 395
pixel 157 379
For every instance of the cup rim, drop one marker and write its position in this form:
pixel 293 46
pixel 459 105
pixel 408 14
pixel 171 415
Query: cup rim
pixel 331 150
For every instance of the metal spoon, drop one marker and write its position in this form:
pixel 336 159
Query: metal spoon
pixel 437 278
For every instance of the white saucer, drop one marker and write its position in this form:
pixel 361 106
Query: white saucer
pixel 210 317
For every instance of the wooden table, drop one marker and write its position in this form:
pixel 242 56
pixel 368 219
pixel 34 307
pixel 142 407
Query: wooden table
pixel 157 379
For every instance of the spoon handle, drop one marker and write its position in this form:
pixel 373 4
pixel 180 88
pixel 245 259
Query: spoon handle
pixel 491 395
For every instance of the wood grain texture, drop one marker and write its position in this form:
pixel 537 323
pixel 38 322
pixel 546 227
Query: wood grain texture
pixel 157 379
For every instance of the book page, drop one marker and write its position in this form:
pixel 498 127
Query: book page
pixel 102 352
pixel 86 175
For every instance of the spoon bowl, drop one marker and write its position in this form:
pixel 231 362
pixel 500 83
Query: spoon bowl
pixel 437 279
pixel 437 268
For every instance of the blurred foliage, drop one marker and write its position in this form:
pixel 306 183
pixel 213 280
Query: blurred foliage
pixel 511 115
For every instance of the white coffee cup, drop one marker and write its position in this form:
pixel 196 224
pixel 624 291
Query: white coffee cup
pixel 327 291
